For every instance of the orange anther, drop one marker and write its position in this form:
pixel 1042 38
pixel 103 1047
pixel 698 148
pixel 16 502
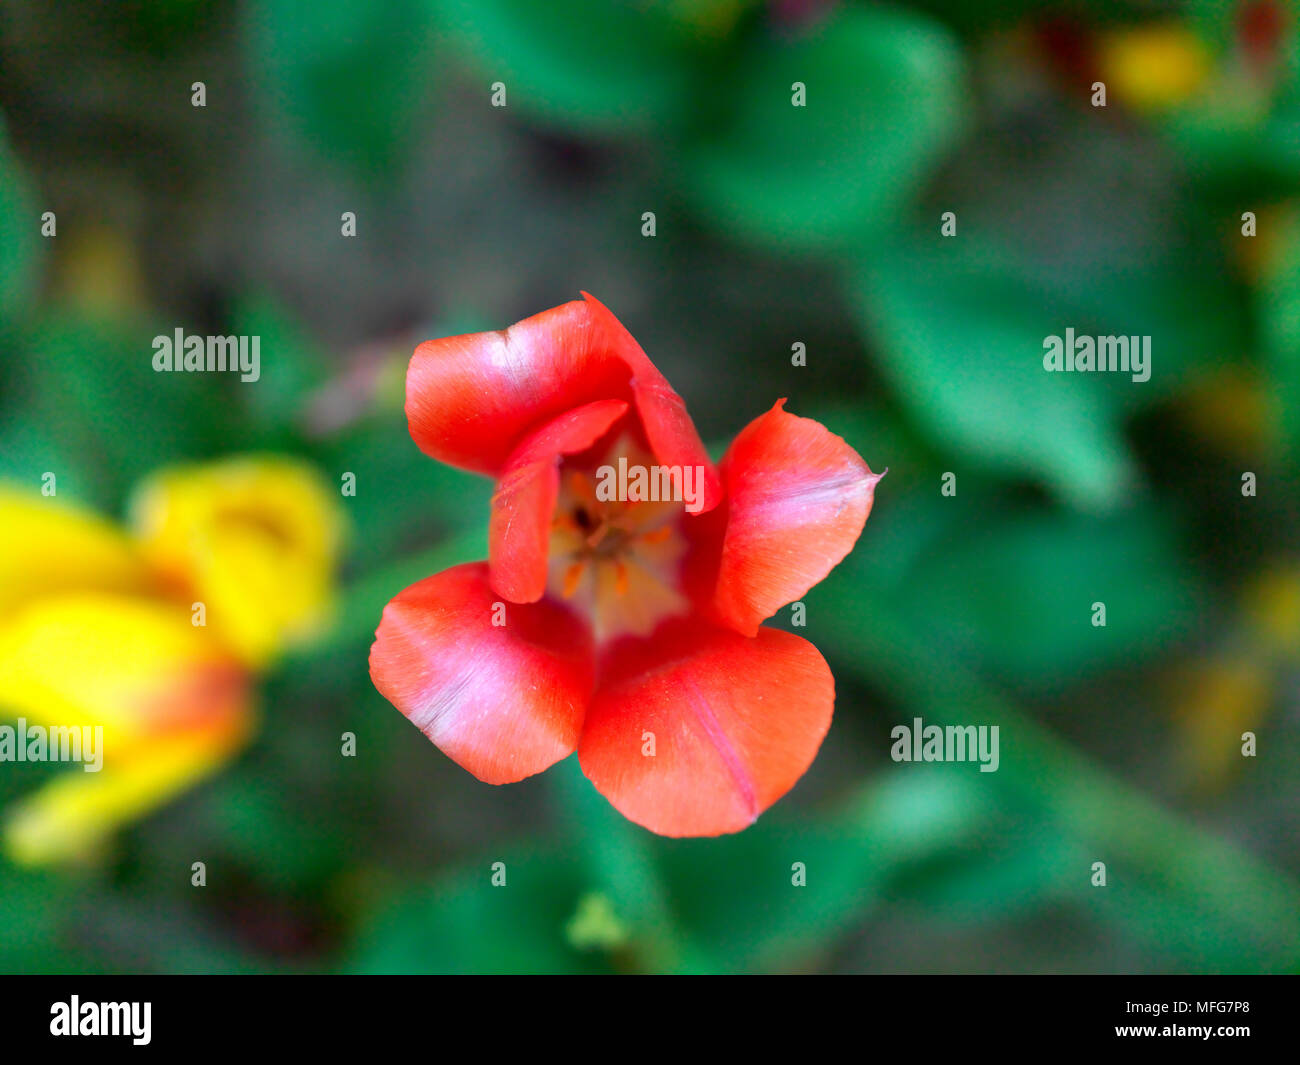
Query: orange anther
pixel 572 577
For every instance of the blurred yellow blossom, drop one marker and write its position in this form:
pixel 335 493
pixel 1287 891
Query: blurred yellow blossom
pixel 253 539
pixel 1271 605
pixel 101 628
pixel 1232 691
pixel 1154 68
pixel 47 547
pixel 1230 407
pixel 99 270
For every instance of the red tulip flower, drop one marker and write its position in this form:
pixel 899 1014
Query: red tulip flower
pixel 620 611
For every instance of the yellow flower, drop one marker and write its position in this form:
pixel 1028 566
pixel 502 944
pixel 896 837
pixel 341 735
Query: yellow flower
pixel 1218 699
pixel 171 702
pixel 150 639
pixel 1220 696
pixel 1231 406
pixel 47 548
pixel 253 540
pixel 1271 605
pixel 1154 68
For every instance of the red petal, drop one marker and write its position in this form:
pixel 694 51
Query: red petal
pixel 470 399
pixel 736 722
pixel 504 702
pixel 798 497
pixel 520 529
pixel 668 427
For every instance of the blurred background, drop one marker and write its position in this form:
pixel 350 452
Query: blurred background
pixel 172 164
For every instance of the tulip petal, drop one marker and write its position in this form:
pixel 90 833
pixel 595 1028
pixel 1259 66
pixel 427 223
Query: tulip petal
pixel 524 504
pixel 171 702
pixel 138 667
pixel 504 701
pixel 734 723
pixel 48 547
pixel 668 427
pixel 798 498
pixel 471 398
pixel 70 816
pixel 254 538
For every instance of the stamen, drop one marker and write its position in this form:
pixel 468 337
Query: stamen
pixel 572 578
pixel 619 557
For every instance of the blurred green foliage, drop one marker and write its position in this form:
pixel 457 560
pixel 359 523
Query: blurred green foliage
pixel 777 224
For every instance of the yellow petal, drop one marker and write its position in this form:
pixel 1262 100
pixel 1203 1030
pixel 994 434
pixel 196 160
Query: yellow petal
pixel 48 547
pixel 1271 603
pixel 71 816
pixel 99 270
pixel 255 539
pixel 1231 406
pixel 173 703
pixel 1222 698
pixel 1154 68
pixel 135 666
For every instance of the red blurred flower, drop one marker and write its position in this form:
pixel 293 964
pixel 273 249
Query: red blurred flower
pixel 627 630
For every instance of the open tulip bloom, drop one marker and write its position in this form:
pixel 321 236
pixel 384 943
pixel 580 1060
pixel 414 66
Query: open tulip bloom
pixel 620 611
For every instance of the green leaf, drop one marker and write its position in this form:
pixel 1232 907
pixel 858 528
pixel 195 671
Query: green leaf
pixel 885 100
pixel 249 818
pixel 348 79
pixel 404 498
pixel 598 68
pixel 365 598
pixel 1020 863
pixel 29 449
pixel 961 335
pixel 291 366
pixel 621 862
pixel 93 388
pixel 959 322
pixel 1011 590
pixel 462 923
pixel 36 935
pixel 19 235
pixel 1279 312
pixel 1207 905
pixel 736 897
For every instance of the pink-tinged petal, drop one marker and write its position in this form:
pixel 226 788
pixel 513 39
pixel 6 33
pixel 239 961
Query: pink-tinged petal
pixel 798 497
pixel 732 723
pixel 503 701
pixel 471 399
pixel 669 431
pixel 522 508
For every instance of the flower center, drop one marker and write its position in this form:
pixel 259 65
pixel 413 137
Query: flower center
pixel 615 556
